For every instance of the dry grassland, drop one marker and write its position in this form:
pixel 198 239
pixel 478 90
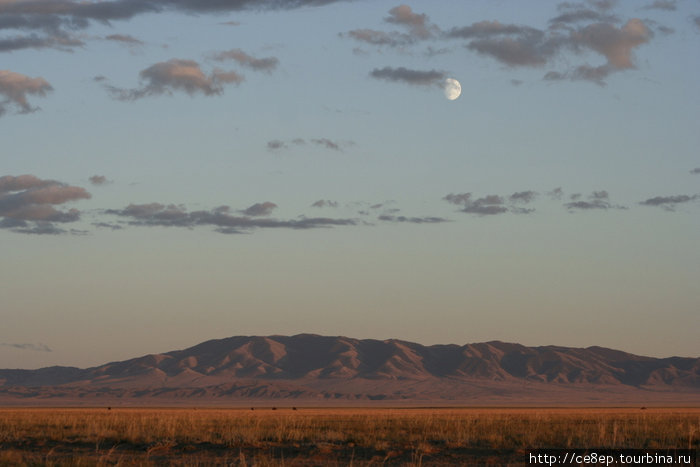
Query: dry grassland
pixel 309 436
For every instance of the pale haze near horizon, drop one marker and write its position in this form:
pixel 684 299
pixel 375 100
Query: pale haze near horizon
pixel 365 125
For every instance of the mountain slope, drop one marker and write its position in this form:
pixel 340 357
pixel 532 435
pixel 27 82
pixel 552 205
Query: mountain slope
pixel 313 366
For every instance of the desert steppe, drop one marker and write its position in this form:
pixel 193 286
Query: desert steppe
pixel 286 435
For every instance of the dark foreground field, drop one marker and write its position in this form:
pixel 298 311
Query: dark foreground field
pixel 313 436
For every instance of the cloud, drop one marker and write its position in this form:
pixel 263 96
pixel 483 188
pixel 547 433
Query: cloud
pixel 556 193
pixel 412 220
pixel 259 64
pixel 326 143
pixel 575 30
pixel 668 5
pixel 405 75
pixel 125 39
pixel 486 206
pixel 78 13
pixel 63 42
pixel 276 144
pixel 416 23
pixel 379 38
pixel 669 202
pixel 596 200
pixel 156 214
pixel 511 44
pixel 322 203
pixel 523 196
pixel 616 44
pixel 596 75
pixel 176 75
pixel 98 180
pixel 695 171
pixel 15 88
pixel 492 204
pixel 260 209
pixel 34 347
pixel 27 204
pixel 696 20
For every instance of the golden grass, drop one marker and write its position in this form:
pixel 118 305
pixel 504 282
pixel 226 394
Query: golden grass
pixel 310 436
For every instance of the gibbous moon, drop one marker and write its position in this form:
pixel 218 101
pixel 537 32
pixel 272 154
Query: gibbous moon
pixel 452 88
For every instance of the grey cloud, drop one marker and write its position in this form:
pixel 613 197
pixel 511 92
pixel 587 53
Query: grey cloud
pixel 276 144
pixel 596 200
pixel 379 38
pixel 488 205
pixel 176 75
pixel 668 5
pixel 523 196
pixel 669 202
pixel 34 347
pixel 581 15
pixel 27 204
pixel 260 209
pixel 556 193
pixel 695 171
pixel 412 220
pixel 15 88
pixel 124 39
pixel 326 143
pixel 489 29
pixel 405 75
pixel 260 64
pixel 595 204
pixel 156 214
pixel 105 11
pixel 322 203
pixel 492 204
pixel 98 180
pixel 107 225
pixel 696 20
pixel 61 42
pixel 516 45
pixel 596 75
pixel 460 198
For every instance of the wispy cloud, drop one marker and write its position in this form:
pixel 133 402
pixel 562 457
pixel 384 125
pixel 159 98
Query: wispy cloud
pixel 412 220
pixel 15 88
pixel 156 214
pixel 177 75
pixel 98 180
pixel 324 203
pixel 266 64
pixel 492 204
pixel 34 347
pixel 669 203
pixel 276 144
pixel 596 200
pixel 408 76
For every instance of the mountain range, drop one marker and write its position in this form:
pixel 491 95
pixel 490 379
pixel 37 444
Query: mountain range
pixel 314 369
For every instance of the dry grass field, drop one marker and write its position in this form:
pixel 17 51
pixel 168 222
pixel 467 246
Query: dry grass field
pixel 326 437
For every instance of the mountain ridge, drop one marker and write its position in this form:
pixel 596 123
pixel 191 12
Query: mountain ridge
pixel 314 366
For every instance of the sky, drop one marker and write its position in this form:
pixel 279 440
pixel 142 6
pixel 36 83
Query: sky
pixel 174 171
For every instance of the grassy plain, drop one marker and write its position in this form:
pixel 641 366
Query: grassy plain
pixel 315 436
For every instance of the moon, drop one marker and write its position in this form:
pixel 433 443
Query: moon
pixel 452 88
